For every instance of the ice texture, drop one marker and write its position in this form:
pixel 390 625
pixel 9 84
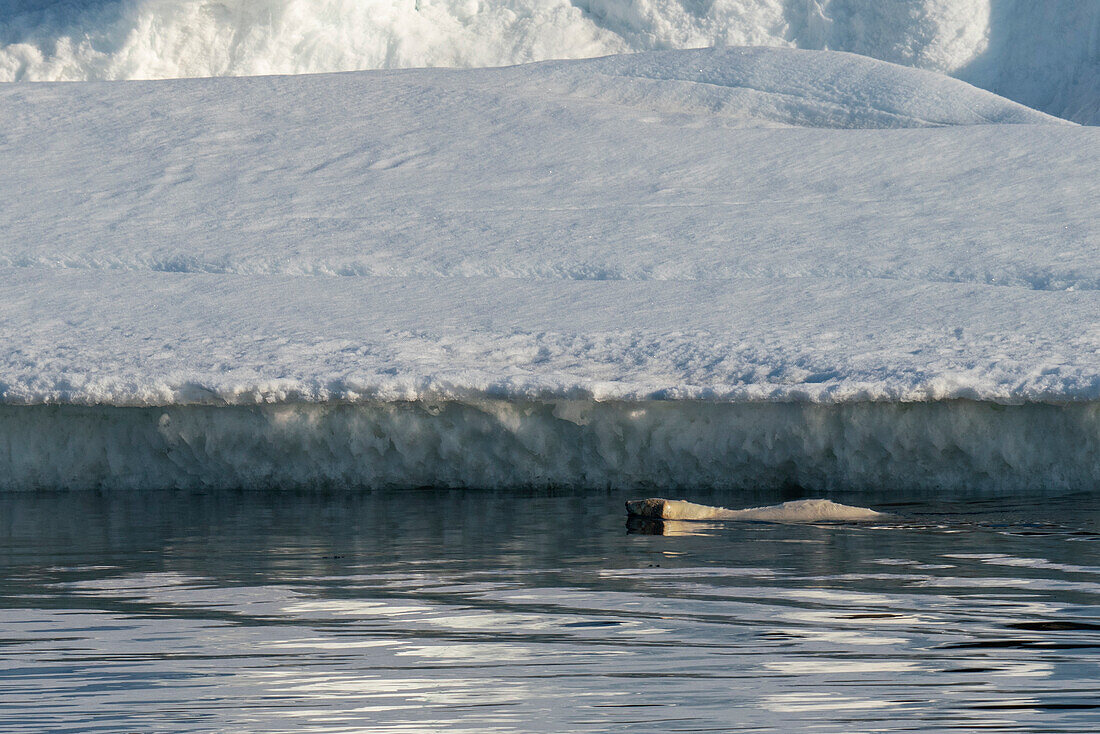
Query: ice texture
pixel 712 268
pixel 1043 54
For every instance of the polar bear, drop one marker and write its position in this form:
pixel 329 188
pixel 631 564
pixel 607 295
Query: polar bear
pixel 816 510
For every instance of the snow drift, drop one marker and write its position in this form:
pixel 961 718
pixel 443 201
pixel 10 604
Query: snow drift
pixel 1043 54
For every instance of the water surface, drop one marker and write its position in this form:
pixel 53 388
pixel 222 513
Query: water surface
pixel 489 611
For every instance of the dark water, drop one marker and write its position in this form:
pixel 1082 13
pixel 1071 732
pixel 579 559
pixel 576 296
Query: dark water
pixel 511 612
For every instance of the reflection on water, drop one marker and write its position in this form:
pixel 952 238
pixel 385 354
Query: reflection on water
pixel 653 526
pixel 512 612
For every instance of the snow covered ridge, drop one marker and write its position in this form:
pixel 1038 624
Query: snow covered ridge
pixel 759 86
pixel 1043 54
pixel 659 446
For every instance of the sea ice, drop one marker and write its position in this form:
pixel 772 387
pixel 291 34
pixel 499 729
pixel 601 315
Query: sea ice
pixel 725 267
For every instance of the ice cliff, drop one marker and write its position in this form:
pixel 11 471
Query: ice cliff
pixel 1043 54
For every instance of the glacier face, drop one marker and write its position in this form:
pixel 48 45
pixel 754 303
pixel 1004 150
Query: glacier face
pixel 957 446
pixel 1043 54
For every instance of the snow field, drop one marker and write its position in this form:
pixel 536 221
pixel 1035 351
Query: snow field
pixel 548 231
pixel 124 338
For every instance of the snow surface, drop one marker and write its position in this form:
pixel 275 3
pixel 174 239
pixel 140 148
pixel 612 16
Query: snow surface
pixel 614 229
pixel 1044 54
pixel 816 510
pixel 692 268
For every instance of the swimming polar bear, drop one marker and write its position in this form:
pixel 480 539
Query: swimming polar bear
pixel 796 511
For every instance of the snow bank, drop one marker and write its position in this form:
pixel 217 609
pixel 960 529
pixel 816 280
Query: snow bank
pixel 757 86
pixel 1044 54
pixel 817 510
pixel 664 446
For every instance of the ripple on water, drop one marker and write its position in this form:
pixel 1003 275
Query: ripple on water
pixel 540 612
